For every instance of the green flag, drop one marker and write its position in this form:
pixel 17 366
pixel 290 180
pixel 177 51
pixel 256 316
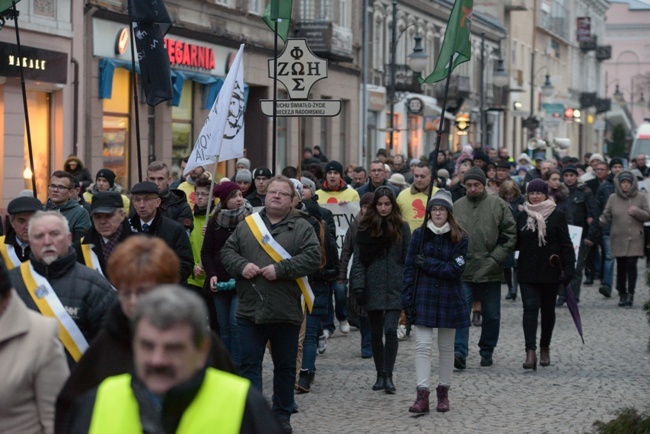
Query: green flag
pixel 456 42
pixel 280 11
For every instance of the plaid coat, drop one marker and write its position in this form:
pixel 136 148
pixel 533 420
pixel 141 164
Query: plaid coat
pixel 440 298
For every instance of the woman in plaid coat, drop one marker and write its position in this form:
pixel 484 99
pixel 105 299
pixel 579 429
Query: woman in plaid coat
pixel 439 299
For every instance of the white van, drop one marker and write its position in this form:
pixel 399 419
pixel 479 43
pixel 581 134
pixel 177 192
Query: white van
pixel 641 144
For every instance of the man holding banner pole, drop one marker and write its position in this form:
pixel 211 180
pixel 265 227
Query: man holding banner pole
pixel 270 255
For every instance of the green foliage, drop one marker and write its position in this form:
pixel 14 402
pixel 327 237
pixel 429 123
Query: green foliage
pixel 628 421
pixel 618 146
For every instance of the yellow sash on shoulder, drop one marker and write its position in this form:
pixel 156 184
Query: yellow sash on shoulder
pixel 278 253
pixel 8 254
pixel 49 305
pixel 90 258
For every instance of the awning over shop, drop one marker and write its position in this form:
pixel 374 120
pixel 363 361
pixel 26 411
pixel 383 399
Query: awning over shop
pixel 212 85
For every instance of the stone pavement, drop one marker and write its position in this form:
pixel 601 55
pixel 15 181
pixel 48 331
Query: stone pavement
pixel 584 383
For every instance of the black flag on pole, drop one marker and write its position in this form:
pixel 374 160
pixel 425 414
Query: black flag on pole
pixel 151 23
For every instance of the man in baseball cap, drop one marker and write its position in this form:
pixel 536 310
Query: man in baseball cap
pixel 14 247
pixel 109 228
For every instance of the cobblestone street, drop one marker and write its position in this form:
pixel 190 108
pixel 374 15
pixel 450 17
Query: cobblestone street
pixel 584 383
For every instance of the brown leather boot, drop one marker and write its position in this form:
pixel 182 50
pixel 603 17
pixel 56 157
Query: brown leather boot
pixel 544 356
pixel 421 404
pixel 443 399
pixel 531 360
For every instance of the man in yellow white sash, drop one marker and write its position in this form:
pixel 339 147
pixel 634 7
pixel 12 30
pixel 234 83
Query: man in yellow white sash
pixel 269 256
pixel 110 227
pixel 14 247
pixel 53 283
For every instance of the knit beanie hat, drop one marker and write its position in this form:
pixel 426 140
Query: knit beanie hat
pixel 537 185
pixel 475 173
pixel 244 175
pixel 108 175
pixel 626 175
pixel 615 161
pixel 224 189
pixel 298 186
pixel 309 184
pixel 442 198
pixel 334 165
pixel 245 161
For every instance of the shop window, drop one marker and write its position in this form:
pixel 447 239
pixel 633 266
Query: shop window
pixel 182 137
pixel 415 136
pixel 116 149
pixel 38 105
pixel 397 136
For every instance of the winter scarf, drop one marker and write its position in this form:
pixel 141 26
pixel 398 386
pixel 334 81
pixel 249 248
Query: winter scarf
pixel 371 248
pixel 438 230
pixel 537 215
pixel 229 218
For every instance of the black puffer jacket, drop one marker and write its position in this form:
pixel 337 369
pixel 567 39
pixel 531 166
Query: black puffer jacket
pixel 85 294
pixel 174 205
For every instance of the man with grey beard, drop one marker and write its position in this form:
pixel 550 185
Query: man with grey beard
pixel 53 283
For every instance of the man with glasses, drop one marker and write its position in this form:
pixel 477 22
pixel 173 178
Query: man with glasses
pixel 61 184
pixel 54 284
pixel 270 253
pixel 377 179
pixel 150 220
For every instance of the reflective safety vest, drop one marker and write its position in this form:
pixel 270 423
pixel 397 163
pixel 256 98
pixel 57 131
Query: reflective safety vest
pixel 217 407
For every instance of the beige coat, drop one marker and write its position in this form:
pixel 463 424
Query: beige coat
pixel 627 229
pixel 34 369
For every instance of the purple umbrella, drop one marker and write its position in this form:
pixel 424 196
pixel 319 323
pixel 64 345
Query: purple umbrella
pixel 571 302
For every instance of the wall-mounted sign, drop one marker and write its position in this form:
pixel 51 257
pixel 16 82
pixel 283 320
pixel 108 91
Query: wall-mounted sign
pixel 415 106
pixel 38 64
pixel 187 54
pixel 122 41
pixel 583 29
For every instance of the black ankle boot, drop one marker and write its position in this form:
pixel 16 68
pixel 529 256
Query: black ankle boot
pixel 390 387
pixel 380 384
pixel 630 300
pixel 623 301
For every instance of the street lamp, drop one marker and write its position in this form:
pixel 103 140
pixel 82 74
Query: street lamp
pixel 500 77
pixel 547 88
pixel 418 59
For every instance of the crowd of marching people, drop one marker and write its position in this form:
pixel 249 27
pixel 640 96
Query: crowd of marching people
pixel 146 308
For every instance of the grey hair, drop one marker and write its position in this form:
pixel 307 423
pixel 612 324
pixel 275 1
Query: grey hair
pixel 42 214
pixel 168 305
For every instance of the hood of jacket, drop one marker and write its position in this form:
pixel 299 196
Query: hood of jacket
pixel 634 190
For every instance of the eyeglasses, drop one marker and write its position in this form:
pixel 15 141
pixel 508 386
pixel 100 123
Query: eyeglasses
pixel 277 192
pixel 438 209
pixel 201 194
pixel 56 187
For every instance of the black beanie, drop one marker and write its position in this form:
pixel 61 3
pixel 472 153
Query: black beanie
pixel 335 166
pixel 108 175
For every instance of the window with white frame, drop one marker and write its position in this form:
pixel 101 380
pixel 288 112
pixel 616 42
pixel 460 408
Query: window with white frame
pixel 227 3
pixel 378 43
pixel 256 7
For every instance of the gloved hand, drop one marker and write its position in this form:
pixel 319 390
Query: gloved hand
pixel 420 260
pixel 360 298
pixel 565 280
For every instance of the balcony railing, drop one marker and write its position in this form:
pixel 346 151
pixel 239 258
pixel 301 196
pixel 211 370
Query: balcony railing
pixel 554 18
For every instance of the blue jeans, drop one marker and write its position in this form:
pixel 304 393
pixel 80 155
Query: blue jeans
pixel 310 344
pixel 608 267
pixel 340 291
pixel 364 329
pixel 226 306
pixel 284 344
pixel 489 294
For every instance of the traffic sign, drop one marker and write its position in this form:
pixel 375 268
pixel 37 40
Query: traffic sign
pixel 306 108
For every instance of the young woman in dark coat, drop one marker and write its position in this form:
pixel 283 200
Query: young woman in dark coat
pixel 376 278
pixel 542 231
pixel 439 298
pixel 219 285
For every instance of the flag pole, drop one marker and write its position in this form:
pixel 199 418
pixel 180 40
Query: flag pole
pixel 275 90
pixel 24 90
pixel 135 94
pixel 434 175
pixel 210 196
